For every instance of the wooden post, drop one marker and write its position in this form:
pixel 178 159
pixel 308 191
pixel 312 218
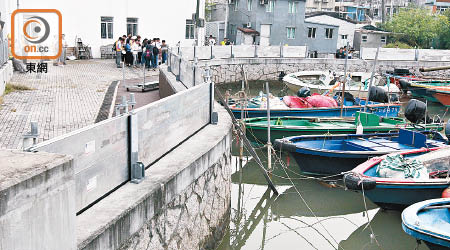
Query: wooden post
pixel 371 78
pixel 345 81
pixel 269 144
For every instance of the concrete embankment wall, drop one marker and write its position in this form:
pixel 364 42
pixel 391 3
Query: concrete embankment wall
pixel 230 70
pixel 82 198
pixel 266 63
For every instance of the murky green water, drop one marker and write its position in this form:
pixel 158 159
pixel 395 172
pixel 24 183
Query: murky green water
pixel 308 213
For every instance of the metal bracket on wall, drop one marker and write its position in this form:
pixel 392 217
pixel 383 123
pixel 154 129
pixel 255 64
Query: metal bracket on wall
pixel 137 170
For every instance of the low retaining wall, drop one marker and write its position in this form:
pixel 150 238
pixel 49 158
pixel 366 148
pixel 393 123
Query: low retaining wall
pixel 230 70
pixel 37 201
pixel 6 72
pixel 183 200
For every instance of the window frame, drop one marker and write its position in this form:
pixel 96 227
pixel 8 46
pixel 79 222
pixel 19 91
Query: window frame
pixel 249 5
pixel 290 33
pixel 189 29
pixel 329 33
pixel 383 39
pixel 312 32
pixel 132 26
pixel 106 27
pixel 364 38
pixel 236 5
pixel 270 6
pixel 292 7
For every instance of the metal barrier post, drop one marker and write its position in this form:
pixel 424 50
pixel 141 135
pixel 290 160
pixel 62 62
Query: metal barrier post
pixel 34 134
pixel 137 169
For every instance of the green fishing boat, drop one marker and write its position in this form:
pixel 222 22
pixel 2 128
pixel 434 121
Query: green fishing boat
pixel 281 127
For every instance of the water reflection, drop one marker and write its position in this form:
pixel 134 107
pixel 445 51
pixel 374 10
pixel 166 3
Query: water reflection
pixel 308 214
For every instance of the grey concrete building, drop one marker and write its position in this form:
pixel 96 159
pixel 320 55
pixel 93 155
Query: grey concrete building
pixel 280 22
pixel 369 37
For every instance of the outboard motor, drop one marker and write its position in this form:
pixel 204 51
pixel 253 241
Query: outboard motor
pixel 404 85
pixel 394 97
pixel 377 94
pixel 415 111
pixel 304 92
pixel 281 76
pixel 347 96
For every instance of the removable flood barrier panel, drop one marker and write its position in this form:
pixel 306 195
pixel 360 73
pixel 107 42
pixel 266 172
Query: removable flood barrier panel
pixel 101 152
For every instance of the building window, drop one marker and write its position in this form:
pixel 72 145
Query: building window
pixel 106 27
pixel 441 9
pixel 364 39
pixel 236 5
pixel 292 7
pixel 132 26
pixel 344 37
pixel 329 33
pixel 190 29
pixel 383 39
pixel 270 6
pixel 312 32
pixel 249 5
pixel 233 29
pixel 291 33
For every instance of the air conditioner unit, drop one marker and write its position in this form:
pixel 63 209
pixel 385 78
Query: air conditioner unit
pixel 249 25
pixel 262 2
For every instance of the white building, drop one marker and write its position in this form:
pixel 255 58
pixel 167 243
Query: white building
pixel 101 22
pixel 346 27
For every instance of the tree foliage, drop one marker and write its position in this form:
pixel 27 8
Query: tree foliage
pixel 417 27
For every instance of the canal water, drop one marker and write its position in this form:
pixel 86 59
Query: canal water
pixel 309 213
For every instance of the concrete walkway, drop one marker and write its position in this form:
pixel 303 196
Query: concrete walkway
pixel 64 99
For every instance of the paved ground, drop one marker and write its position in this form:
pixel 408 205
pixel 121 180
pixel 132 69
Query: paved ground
pixel 64 99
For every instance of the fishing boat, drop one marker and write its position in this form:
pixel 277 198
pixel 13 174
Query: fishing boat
pixel 429 221
pixel 281 127
pixel 337 154
pixel 389 181
pixel 254 109
pixel 419 89
pixel 442 94
pixel 329 81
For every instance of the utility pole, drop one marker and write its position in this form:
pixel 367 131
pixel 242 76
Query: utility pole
pixel 197 14
pixel 383 12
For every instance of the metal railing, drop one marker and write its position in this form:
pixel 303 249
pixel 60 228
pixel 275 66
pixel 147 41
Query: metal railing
pixel 4 52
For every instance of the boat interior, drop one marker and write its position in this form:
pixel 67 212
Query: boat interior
pixel 404 140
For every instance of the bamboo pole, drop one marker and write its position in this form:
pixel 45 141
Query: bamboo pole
pixel 371 78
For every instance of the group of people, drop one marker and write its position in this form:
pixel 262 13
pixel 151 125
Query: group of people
pixel 136 53
pixel 342 52
pixel 212 42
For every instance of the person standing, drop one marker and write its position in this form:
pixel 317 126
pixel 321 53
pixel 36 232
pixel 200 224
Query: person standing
pixel 62 58
pixel 164 51
pixel 128 53
pixel 211 41
pixel 155 51
pixel 148 55
pixel 144 50
pixel 119 45
pixel 139 55
pixel 134 51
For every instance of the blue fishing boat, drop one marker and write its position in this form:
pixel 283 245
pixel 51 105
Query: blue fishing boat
pixel 399 186
pixel 336 154
pixel 429 221
pixel 381 109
